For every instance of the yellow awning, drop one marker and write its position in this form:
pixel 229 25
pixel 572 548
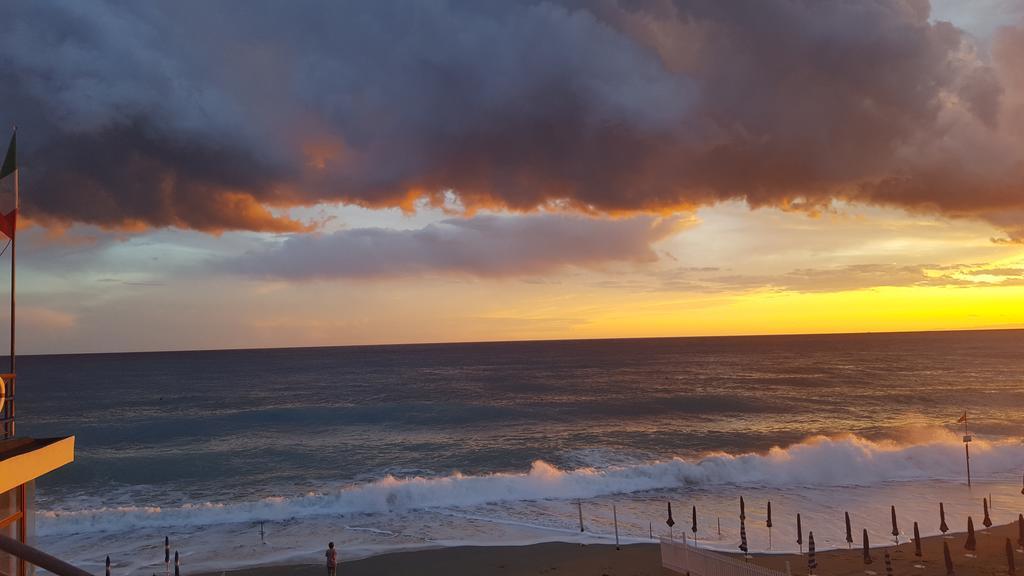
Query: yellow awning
pixel 25 459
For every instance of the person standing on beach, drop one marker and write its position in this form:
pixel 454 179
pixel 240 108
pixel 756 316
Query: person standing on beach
pixel 332 560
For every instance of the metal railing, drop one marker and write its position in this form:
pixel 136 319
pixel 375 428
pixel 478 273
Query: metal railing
pixel 681 557
pixel 39 558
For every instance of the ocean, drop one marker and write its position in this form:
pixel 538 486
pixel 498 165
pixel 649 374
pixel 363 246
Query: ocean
pixel 383 448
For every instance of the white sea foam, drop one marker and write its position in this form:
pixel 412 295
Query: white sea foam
pixel 818 462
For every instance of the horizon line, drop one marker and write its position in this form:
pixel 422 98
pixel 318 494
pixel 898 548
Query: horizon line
pixel 526 341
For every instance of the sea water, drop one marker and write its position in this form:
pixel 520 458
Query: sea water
pixel 386 448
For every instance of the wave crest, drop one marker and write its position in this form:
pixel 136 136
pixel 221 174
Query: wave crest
pixel 816 462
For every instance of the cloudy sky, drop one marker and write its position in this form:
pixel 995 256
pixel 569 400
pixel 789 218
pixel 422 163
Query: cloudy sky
pixel 238 174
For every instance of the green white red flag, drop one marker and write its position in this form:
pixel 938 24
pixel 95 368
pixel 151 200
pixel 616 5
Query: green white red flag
pixel 9 220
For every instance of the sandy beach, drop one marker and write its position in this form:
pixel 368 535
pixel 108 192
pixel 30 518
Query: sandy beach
pixel 644 560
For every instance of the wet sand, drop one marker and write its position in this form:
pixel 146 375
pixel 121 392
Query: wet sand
pixel 565 559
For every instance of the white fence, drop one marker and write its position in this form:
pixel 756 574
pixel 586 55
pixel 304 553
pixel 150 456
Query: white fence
pixel 681 557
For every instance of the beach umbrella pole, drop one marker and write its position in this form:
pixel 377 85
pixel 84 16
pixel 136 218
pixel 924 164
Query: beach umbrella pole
pixel 1011 567
pixel 967 447
pixel 615 521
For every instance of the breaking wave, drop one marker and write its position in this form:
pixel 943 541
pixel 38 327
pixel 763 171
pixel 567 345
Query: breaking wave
pixel 817 462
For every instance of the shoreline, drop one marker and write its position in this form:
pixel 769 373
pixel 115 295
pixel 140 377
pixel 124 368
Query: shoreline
pixel 573 559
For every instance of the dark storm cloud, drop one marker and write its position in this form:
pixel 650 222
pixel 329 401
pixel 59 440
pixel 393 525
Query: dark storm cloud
pixel 485 246
pixel 211 115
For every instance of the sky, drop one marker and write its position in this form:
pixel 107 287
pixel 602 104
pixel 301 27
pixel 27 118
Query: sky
pixel 261 174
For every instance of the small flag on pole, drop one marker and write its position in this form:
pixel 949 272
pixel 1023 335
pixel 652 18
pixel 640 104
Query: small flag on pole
pixel 11 158
pixel 963 418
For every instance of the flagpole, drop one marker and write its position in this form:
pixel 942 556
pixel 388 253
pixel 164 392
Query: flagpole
pixel 14 248
pixel 967 445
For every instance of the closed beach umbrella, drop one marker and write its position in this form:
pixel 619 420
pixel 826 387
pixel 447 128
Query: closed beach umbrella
pixel 799 534
pixel 949 559
pixel 986 522
pixel 1011 567
pixel 1022 490
pixel 693 527
pixel 895 528
pixel 670 521
pixel 867 548
pixel 942 519
pixel 849 532
pixel 743 510
pixel 812 563
pixel 743 535
pixel 177 564
pixel 108 558
pixel 1020 530
pixel 971 544
pixel 917 541
pixel 769 524
pixel 888 564
pixel 167 554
